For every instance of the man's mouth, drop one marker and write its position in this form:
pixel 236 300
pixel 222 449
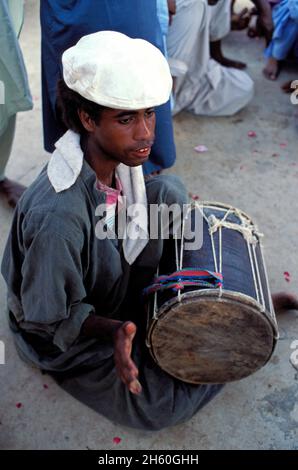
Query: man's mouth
pixel 142 151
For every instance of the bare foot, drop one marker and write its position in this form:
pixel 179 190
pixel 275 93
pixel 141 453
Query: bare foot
pixel 271 70
pixel 286 87
pixel 284 301
pixel 125 366
pixel 12 191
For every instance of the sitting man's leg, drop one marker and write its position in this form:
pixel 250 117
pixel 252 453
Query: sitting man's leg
pixel 220 26
pixel 164 401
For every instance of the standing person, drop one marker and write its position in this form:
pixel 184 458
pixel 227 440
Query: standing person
pixel 74 297
pixel 63 24
pixel 14 90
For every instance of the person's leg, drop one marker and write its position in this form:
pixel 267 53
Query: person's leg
pixel 11 190
pixel 285 37
pixel 188 50
pixel 219 27
pixel 164 400
pixel 185 41
pixel 6 140
pixel 230 92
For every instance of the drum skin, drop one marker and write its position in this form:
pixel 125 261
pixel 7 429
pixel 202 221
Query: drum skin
pixel 207 339
pixel 214 335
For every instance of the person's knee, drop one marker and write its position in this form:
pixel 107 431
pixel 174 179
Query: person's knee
pixel 167 189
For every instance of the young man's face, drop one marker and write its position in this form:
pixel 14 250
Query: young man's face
pixel 124 136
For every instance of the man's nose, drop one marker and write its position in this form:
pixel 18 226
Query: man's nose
pixel 143 130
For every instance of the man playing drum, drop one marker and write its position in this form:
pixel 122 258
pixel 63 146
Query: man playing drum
pixel 71 294
pixel 74 295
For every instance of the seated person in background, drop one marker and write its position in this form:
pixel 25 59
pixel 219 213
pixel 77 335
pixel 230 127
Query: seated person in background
pixel 285 37
pixel 205 87
pixel 224 19
pixel 74 297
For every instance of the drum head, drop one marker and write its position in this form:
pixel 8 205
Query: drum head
pixel 207 339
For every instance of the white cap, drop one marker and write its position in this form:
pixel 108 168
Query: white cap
pixel 118 72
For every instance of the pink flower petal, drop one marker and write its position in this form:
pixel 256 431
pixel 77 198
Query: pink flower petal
pixel 252 134
pixel 287 276
pixel 117 440
pixel 283 145
pixel 201 148
pixel 19 405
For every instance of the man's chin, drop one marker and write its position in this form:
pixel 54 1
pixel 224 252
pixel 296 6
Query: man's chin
pixel 137 161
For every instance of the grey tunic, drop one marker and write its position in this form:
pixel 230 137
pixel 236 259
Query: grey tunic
pixel 57 273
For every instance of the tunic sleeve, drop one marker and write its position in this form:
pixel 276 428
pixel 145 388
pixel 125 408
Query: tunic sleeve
pixel 53 294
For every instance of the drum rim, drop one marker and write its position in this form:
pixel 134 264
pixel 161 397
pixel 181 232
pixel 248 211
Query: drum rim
pixel 215 293
pixel 216 204
pixel 209 293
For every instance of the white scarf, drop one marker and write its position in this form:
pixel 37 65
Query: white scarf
pixel 64 167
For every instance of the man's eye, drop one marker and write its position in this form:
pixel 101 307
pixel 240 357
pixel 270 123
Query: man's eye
pixel 125 121
pixel 150 112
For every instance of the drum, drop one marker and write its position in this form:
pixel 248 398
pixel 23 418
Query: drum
pixel 210 313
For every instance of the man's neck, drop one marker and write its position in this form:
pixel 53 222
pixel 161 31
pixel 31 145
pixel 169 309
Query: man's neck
pixel 104 168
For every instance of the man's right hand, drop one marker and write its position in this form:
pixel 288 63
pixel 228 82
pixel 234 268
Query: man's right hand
pixel 126 368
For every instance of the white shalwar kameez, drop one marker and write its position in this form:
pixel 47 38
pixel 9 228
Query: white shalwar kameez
pixel 207 88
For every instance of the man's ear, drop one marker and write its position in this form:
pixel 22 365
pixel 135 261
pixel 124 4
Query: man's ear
pixel 87 122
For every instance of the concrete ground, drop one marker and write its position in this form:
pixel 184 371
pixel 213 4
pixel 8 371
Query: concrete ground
pixel 258 175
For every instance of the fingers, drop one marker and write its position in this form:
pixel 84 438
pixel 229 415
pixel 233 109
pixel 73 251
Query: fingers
pixel 128 373
pixel 130 330
pixel 135 387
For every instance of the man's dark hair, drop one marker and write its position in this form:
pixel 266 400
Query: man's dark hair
pixel 69 102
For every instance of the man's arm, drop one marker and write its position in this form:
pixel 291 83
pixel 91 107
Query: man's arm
pixel 122 335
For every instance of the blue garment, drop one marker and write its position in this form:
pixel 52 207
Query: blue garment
pixel 163 18
pixel 285 36
pixel 64 22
